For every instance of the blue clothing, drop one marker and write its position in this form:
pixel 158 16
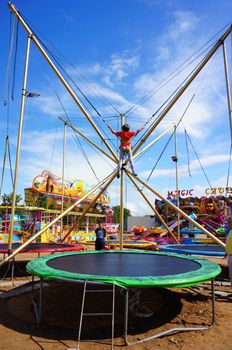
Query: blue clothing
pixel 100 238
pixel 100 233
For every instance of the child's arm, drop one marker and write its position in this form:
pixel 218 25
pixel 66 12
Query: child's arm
pixel 142 127
pixel 114 132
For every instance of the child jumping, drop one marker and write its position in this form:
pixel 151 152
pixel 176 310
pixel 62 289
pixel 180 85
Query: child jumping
pixel 125 147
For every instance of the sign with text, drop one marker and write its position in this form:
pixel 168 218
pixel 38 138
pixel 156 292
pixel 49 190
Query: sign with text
pixel 212 191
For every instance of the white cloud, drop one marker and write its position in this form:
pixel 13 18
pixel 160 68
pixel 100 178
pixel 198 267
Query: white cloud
pixel 110 72
pixel 195 167
pixel 184 21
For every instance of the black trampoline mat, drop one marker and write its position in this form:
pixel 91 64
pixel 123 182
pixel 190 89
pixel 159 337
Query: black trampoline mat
pixel 123 264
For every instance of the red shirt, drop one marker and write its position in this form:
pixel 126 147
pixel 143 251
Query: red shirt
pixel 126 137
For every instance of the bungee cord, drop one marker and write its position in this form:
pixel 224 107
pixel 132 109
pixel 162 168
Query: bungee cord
pixel 78 143
pixel 202 168
pixel 6 99
pixel 161 108
pixel 15 61
pixel 187 150
pixel 7 79
pixel 167 143
pixel 175 72
pixel 229 165
pixel 76 139
pixel 82 78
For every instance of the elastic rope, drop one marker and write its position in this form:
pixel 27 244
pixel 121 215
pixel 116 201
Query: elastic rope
pixel 53 150
pixel 229 165
pixel 187 150
pixel 165 102
pixel 74 83
pixel 87 84
pixel 148 178
pixel 152 92
pixel 78 143
pixel 199 160
pixel 15 60
pixel 77 139
pixel 3 166
pixel 6 84
pixel 11 168
pixel 180 120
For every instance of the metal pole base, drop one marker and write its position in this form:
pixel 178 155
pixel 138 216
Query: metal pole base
pixel 178 329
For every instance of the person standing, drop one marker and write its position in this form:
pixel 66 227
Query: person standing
pixel 100 237
pixel 125 136
pixel 229 248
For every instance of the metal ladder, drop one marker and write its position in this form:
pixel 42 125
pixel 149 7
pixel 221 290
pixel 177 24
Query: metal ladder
pixel 112 290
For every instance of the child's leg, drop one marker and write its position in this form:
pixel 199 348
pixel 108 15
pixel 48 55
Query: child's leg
pixel 130 158
pixel 121 157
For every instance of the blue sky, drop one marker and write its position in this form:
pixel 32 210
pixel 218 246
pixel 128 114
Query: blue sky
pixel 119 52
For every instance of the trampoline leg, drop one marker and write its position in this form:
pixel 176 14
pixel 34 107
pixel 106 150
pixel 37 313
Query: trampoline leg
pixel 126 316
pixel 12 268
pixel 180 329
pixel 213 305
pixel 112 314
pixel 81 316
pixel 38 310
pixel 40 299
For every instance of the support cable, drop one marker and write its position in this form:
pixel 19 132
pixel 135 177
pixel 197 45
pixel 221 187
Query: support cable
pixel 78 143
pixel 187 149
pixel 168 78
pixel 76 139
pixel 53 149
pixel 74 83
pixel 11 168
pixel 85 80
pixel 7 79
pixel 160 156
pixel 166 101
pixel 177 125
pixel 15 61
pixel 3 167
pixel 198 159
pixel 229 165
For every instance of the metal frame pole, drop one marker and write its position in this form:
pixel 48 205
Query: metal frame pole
pixel 152 207
pixel 89 207
pixel 121 220
pixel 153 142
pixel 177 329
pixel 177 183
pixel 25 244
pixel 63 166
pixel 61 78
pixel 179 210
pixel 183 88
pixel 20 128
pixel 227 88
pixel 87 139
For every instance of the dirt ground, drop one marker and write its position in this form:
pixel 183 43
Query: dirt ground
pixel 165 308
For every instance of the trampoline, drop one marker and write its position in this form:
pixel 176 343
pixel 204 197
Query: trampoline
pixel 130 244
pixel 39 248
pixel 194 249
pixel 139 244
pixel 42 247
pixel 125 269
